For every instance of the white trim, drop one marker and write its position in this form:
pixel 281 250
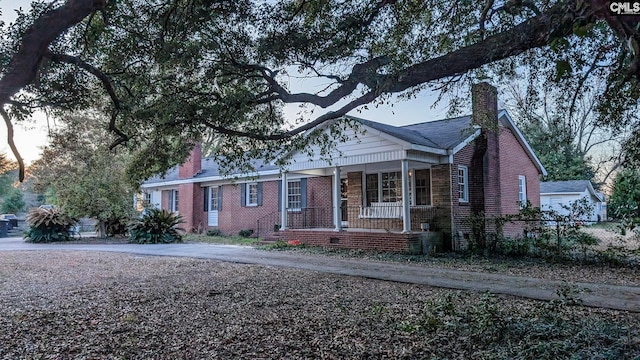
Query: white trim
pixel 174 200
pixel 264 176
pixel 467 141
pixel 522 183
pixel 211 197
pixel 283 201
pixel 289 207
pixel 247 195
pixel 465 178
pixel 337 203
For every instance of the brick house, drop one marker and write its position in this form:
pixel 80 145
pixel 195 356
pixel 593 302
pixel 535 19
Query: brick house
pixel 385 188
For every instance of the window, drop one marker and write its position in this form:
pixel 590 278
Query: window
pixel 173 200
pixel 294 195
pixel 463 183
pixel 522 190
pixel 372 189
pixel 147 199
pixel 384 187
pixel 213 198
pixel 423 187
pixel 252 194
pixel 391 186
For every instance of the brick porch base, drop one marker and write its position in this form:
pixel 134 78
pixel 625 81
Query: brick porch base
pixel 355 239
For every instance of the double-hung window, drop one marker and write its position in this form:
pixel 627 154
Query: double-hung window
pixel 522 190
pixel 391 186
pixel 422 181
pixel 463 184
pixel 372 189
pixel 173 200
pixel 213 198
pixel 252 194
pixel 146 201
pixel 294 195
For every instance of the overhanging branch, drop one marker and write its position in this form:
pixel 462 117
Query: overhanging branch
pixel 12 145
pixel 106 83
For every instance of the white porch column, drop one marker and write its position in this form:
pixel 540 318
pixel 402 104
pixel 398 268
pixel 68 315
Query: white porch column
pixel 283 202
pixel 406 210
pixel 337 217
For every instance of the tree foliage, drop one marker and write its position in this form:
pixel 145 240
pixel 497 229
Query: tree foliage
pixel 88 179
pixel 624 203
pixel 174 70
pixel 14 202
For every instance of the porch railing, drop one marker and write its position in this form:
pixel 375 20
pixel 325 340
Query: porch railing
pixel 383 217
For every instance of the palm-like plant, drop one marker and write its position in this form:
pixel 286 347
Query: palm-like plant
pixel 48 225
pixel 156 227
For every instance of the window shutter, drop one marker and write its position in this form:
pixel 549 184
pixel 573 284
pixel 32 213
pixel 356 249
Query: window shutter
pixel 303 193
pixel 259 186
pixel 279 195
pixel 220 198
pixel 206 199
pixel 243 194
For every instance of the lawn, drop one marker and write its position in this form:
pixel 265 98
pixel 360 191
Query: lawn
pixel 227 240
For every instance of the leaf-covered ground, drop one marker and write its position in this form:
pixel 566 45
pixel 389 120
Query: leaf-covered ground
pixel 79 305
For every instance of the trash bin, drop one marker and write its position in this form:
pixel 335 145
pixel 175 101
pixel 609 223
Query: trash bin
pixel 4 227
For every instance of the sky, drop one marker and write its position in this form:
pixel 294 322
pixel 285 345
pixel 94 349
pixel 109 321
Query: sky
pixel 31 137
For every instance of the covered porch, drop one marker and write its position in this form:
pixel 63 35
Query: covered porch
pixel 383 205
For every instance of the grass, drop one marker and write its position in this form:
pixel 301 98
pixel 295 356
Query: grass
pixel 222 240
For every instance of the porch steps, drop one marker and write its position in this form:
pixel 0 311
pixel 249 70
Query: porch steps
pixel 269 238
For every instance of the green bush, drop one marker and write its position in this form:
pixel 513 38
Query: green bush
pixel 156 227
pixel 520 246
pixel 114 226
pixel 214 232
pixel 48 225
pixel 245 233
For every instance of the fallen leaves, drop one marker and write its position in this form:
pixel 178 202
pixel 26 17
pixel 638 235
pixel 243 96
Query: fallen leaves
pixel 109 306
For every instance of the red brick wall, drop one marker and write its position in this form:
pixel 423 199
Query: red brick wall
pixel 233 217
pixel 319 192
pixel 461 211
pixel 354 240
pixel 191 207
pixel 514 162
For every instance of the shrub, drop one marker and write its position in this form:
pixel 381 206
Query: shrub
pixel 114 226
pixel 156 227
pixel 245 233
pixel 520 246
pixel 214 232
pixel 48 225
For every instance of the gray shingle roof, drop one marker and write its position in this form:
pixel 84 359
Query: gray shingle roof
pixel 209 169
pixel 568 186
pixel 441 134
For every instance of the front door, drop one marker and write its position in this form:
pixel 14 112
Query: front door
pixel 212 218
pixel 343 202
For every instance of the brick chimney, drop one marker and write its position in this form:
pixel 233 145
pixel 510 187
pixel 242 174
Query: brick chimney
pixel 193 165
pixel 484 106
pixel 191 193
pixel 484 175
